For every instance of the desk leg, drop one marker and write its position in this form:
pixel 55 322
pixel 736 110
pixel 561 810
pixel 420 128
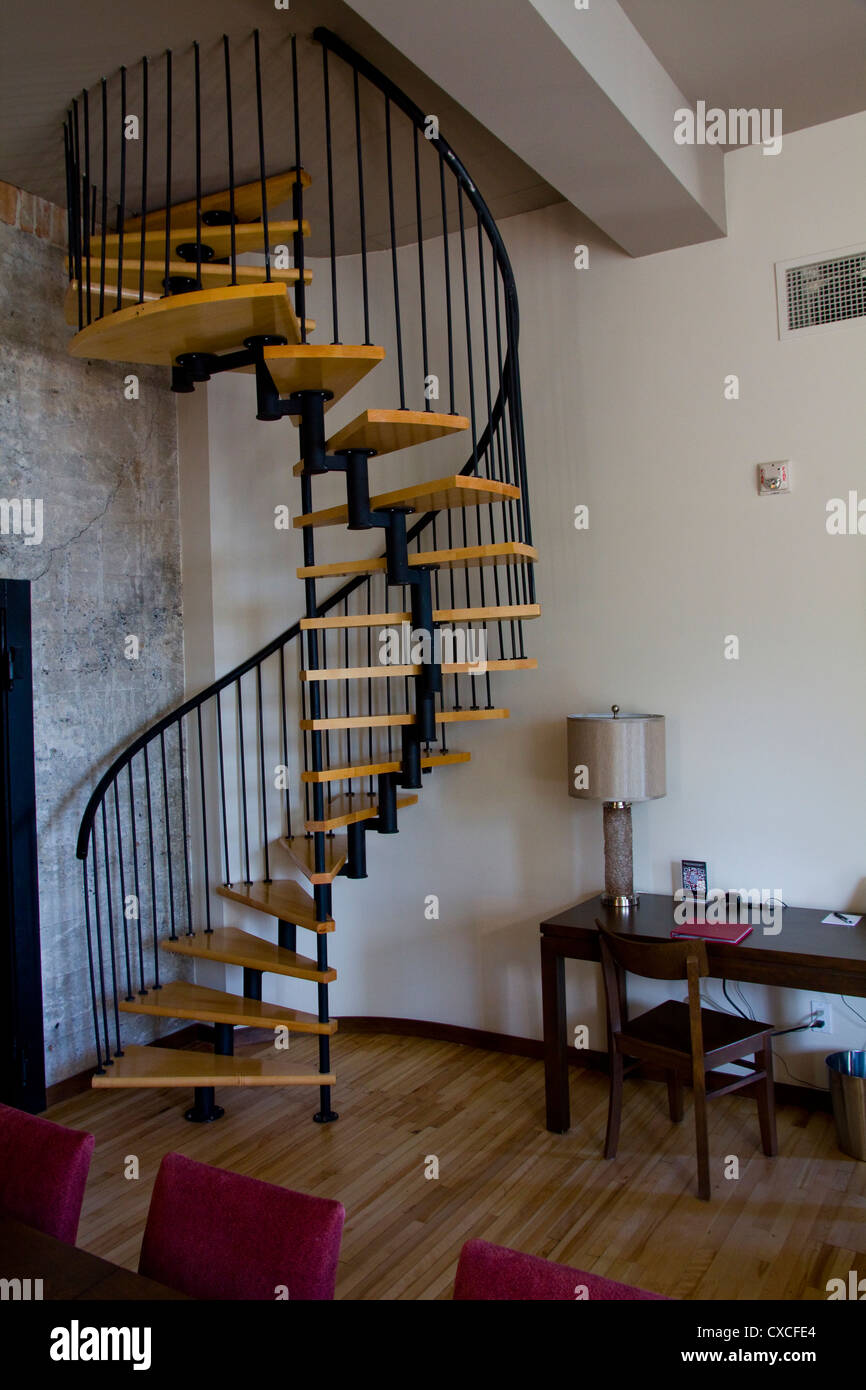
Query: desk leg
pixel 555 1041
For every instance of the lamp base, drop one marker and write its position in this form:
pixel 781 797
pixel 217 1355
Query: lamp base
pixel 618 878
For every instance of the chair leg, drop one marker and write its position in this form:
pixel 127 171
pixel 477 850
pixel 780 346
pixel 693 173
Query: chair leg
pixel 702 1140
pixel 614 1110
pixel 675 1096
pixel 767 1100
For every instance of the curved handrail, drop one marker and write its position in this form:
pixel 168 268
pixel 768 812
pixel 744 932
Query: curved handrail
pixel 509 392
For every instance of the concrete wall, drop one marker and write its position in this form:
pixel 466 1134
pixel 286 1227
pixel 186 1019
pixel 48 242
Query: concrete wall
pixel 624 368
pixel 108 566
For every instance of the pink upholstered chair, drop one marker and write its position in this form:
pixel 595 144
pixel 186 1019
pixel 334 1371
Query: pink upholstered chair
pixel 214 1234
pixel 493 1272
pixel 43 1172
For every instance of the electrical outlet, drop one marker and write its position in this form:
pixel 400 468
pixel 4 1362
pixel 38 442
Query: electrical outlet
pixel 774 477
pixel 820 1016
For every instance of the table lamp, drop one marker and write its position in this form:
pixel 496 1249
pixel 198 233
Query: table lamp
pixel 617 759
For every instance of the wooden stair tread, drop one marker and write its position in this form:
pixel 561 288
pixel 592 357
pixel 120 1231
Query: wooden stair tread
pixel 180 999
pixel 247 201
pixel 503 613
pixel 303 854
pixel 171 1066
pixel 249 236
pixel 388 430
pixel 234 946
pixel 449 668
pixel 457 490
pixel 333 367
pixel 212 277
pixel 349 810
pixel 156 333
pixel 350 771
pixel 381 721
pixel 503 553
pixel 282 898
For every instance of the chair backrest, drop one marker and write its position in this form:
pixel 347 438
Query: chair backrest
pixel 214 1234
pixel 488 1272
pixel 654 960
pixel 43 1172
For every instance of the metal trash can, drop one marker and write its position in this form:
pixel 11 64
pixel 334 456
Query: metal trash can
pixel 848 1094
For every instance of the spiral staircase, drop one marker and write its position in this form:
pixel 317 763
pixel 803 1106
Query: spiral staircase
pixel 196 812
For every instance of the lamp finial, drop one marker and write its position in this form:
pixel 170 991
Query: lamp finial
pixel 615 709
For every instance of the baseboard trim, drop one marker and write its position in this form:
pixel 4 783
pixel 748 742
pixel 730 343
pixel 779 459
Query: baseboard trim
pixel 786 1094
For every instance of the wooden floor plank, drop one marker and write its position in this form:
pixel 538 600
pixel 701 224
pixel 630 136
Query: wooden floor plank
pixel 781 1230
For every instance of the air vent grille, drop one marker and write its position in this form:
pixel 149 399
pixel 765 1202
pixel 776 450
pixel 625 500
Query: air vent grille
pixel 817 293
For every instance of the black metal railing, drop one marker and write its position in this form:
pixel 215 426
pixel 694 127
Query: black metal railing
pixel 205 791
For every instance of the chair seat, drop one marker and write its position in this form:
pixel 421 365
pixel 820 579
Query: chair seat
pixel 667 1026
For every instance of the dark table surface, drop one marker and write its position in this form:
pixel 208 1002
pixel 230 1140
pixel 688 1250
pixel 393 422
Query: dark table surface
pixel 806 952
pixel 67 1272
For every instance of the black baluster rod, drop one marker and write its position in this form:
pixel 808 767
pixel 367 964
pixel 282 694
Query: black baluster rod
pixel 70 237
pixel 446 251
pixel 152 864
pixel 104 213
pixel 298 199
pixel 422 285
pixel 230 136
pixel 221 759
pixel 196 58
pixel 86 197
pixel 122 874
pixel 370 688
pixel 285 741
pixel 184 825
pixel 144 142
pixel 135 879
pixel 121 215
pixel 262 174
pixel 169 857
pixel 100 1070
pixel 208 928
pixel 329 153
pixel 347 684
pixel 240 707
pixel 110 914
pixel 262 774
pixel 362 210
pixel 510 530
pixel 394 268
pixel 79 269
pixel 168 118
pixel 99 953
pixel 467 311
pixel 326 712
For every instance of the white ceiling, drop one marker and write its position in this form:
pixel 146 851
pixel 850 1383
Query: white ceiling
pixel 806 56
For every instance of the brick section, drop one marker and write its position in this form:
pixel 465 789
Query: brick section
pixel 31 214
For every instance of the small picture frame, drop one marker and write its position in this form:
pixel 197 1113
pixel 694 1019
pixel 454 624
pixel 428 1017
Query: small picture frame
pixel 695 879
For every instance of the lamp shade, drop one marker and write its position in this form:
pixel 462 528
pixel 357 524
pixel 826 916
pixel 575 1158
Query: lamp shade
pixel 616 757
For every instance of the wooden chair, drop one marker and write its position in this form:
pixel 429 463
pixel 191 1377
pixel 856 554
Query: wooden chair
pixel 684 1040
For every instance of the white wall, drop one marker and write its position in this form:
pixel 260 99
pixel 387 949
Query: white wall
pixel 623 373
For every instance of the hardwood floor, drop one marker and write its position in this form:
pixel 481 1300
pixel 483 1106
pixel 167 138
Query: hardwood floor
pixel 781 1230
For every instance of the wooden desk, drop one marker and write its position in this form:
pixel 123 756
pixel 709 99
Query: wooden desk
pixel 67 1272
pixel 805 954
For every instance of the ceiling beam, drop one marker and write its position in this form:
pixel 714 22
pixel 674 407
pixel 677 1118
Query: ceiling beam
pixel 580 97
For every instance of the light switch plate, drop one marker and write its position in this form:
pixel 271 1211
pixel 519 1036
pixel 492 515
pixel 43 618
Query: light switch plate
pixel 774 477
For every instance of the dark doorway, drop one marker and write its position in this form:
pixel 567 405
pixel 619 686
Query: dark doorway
pixel 22 1079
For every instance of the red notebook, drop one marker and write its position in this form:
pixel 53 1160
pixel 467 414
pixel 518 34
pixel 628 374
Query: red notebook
pixel 732 932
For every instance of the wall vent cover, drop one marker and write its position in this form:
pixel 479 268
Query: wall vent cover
pixel 821 291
